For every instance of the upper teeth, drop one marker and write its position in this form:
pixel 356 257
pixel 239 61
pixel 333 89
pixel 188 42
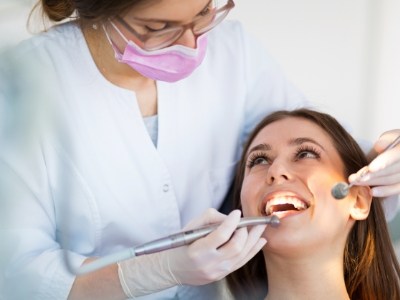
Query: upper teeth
pixel 297 203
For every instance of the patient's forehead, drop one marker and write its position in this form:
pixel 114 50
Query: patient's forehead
pixel 289 128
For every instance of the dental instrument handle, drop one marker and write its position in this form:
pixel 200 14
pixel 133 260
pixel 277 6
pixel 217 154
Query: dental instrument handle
pixel 189 236
pixel 172 241
pixel 393 144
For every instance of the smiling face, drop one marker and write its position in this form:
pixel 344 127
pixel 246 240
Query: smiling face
pixel 291 166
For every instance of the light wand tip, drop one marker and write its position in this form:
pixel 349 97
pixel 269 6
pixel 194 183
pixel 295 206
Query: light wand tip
pixel 340 190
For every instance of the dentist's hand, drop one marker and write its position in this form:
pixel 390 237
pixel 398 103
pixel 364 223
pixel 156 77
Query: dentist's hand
pixel 384 170
pixel 219 253
pixel 206 260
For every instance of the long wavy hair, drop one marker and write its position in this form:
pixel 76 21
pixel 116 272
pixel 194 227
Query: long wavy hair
pixel 371 269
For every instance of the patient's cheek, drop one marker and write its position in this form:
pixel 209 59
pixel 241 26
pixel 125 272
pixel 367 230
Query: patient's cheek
pixel 249 208
pixel 249 196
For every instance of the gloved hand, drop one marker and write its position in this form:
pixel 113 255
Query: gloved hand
pixel 384 170
pixel 206 260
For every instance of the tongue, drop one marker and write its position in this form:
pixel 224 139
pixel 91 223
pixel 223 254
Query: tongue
pixel 282 207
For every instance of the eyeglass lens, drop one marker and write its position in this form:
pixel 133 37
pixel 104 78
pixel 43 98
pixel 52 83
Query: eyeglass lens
pixel 201 25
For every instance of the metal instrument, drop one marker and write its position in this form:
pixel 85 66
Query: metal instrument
pixel 172 241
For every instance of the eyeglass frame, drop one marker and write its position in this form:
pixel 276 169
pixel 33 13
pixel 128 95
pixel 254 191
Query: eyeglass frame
pixel 145 37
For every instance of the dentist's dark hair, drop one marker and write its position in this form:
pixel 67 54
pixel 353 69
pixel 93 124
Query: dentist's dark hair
pixel 371 269
pixel 85 10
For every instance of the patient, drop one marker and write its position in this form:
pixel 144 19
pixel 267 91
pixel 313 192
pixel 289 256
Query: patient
pixel 324 248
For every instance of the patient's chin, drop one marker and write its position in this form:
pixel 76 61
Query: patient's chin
pixel 289 239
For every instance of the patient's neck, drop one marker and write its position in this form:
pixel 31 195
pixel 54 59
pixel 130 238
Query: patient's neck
pixel 305 278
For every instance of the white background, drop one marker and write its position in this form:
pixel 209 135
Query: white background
pixel 343 54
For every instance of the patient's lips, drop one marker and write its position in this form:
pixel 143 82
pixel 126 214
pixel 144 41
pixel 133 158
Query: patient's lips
pixel 282 204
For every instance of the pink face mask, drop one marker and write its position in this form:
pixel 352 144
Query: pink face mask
pixel 168 64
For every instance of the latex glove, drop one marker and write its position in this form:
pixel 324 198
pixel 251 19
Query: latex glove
pixel 206 260
pixel 384 170
pixel 219 253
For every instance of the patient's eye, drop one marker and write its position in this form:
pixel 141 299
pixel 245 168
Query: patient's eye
pixel 305 152
pixel 258 159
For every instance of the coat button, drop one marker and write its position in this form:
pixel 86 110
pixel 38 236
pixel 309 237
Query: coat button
pixel 165 187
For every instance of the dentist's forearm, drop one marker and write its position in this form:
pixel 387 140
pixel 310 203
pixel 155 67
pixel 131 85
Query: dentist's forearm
pixel 103 284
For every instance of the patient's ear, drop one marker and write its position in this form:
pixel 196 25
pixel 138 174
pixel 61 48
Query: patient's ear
pixel 362 203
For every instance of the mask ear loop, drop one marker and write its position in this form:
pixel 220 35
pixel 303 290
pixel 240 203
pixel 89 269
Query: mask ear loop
pixel 117 30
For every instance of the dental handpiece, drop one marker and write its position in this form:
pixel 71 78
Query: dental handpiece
pixel 169 242
pixel 341 189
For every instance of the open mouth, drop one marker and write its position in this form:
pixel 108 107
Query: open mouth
pixel 284 204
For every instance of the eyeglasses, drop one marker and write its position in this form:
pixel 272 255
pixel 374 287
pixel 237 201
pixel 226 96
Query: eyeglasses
pixel 154 39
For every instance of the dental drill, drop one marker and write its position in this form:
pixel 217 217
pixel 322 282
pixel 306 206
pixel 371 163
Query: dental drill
pixel 341 189
pixel 172 241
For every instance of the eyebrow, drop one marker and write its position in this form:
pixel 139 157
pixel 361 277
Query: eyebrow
pixel 302 140
pixel 169 21
pixel 259 147
pixel 292 142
